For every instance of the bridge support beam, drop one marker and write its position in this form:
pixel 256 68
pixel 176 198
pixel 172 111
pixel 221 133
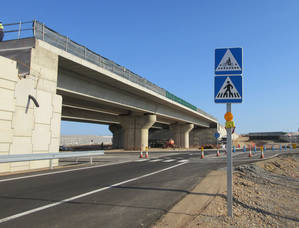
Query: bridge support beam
pixel 181 134
pixel 117 140
pixel 135 134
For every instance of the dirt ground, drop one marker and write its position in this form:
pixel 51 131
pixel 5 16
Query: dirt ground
pixel 266 194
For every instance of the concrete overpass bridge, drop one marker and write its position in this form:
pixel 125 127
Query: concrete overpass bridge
pixel 70 82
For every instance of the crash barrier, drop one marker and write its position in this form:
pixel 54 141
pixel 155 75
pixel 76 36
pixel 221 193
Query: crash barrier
pixel 48 156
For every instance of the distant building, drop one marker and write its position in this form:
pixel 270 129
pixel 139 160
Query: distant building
pixel 74 140
pixel 275 136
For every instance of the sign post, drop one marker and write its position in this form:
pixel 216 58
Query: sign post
pixel 228 88
pixel 229 168
pixel 217 135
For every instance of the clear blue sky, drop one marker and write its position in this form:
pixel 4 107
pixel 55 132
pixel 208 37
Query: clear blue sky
pixel 171 43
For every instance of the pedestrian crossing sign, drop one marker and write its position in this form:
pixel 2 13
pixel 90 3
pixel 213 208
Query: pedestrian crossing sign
pixel 228 61
pixel 228 89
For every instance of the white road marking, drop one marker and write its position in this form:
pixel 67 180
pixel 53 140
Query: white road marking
pixel 63 171
pixel 169 160
pixel 156 160
pixel 84 194
pixel 184 160
pixel 141 160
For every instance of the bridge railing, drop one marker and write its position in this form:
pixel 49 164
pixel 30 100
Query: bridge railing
pixel 40 31
pixel 48 156
pixel 18 30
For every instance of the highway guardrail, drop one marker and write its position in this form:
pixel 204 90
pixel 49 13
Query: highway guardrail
pixel 48 156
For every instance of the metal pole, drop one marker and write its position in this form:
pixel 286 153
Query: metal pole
pixel 51 163
pixel 34 24
pixel 43 31
pixel 229 167
pixel 19 33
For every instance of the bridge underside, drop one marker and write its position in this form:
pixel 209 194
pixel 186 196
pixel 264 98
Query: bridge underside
pixel 90 96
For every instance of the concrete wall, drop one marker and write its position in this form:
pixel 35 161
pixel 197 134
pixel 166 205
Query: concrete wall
pixel 25 128
pixel 71 140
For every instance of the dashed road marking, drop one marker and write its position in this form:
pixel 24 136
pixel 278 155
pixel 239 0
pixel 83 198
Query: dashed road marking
pixel 169 160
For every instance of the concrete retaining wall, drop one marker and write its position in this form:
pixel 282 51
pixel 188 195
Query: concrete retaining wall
pixel 25 128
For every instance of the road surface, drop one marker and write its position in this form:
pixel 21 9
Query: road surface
pixel 131 194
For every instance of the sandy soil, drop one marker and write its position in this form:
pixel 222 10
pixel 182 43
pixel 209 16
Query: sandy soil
pixel 266 194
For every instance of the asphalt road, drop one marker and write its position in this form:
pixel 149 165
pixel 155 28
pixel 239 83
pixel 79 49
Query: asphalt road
pixel 134 193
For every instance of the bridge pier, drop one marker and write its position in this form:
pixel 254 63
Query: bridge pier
pixel 135 134
pixel 117 140
pixel 202 136
pixel 181 134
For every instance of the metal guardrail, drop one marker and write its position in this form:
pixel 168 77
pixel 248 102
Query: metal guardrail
pixel 47 156
pixel 42 32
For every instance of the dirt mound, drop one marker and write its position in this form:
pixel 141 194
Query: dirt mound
pixel 266 194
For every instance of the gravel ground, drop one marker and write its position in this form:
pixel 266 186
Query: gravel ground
pixel 266 194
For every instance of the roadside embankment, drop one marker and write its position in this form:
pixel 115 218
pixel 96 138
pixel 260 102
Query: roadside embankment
pixel 266 194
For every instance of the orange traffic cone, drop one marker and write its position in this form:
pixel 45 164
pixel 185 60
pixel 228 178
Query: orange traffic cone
pixel 262 154
pixel 218 153
pixel 202 153
pixel 146 154
pixel 141 154
pixel 250 154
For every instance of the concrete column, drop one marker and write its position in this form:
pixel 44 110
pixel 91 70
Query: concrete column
pixel 117 140
pixel 135 135
pixel 181 134
pixel 203 136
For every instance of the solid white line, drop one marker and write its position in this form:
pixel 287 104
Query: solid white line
pixel 169 160
pixel 84 194
pixel 63 171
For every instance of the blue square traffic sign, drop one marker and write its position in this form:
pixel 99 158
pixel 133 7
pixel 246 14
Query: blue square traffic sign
pixel 228 89
pixel 228 61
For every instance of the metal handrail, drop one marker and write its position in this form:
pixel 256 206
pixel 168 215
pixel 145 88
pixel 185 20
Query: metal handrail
pixel 48 156
pixel 20 28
